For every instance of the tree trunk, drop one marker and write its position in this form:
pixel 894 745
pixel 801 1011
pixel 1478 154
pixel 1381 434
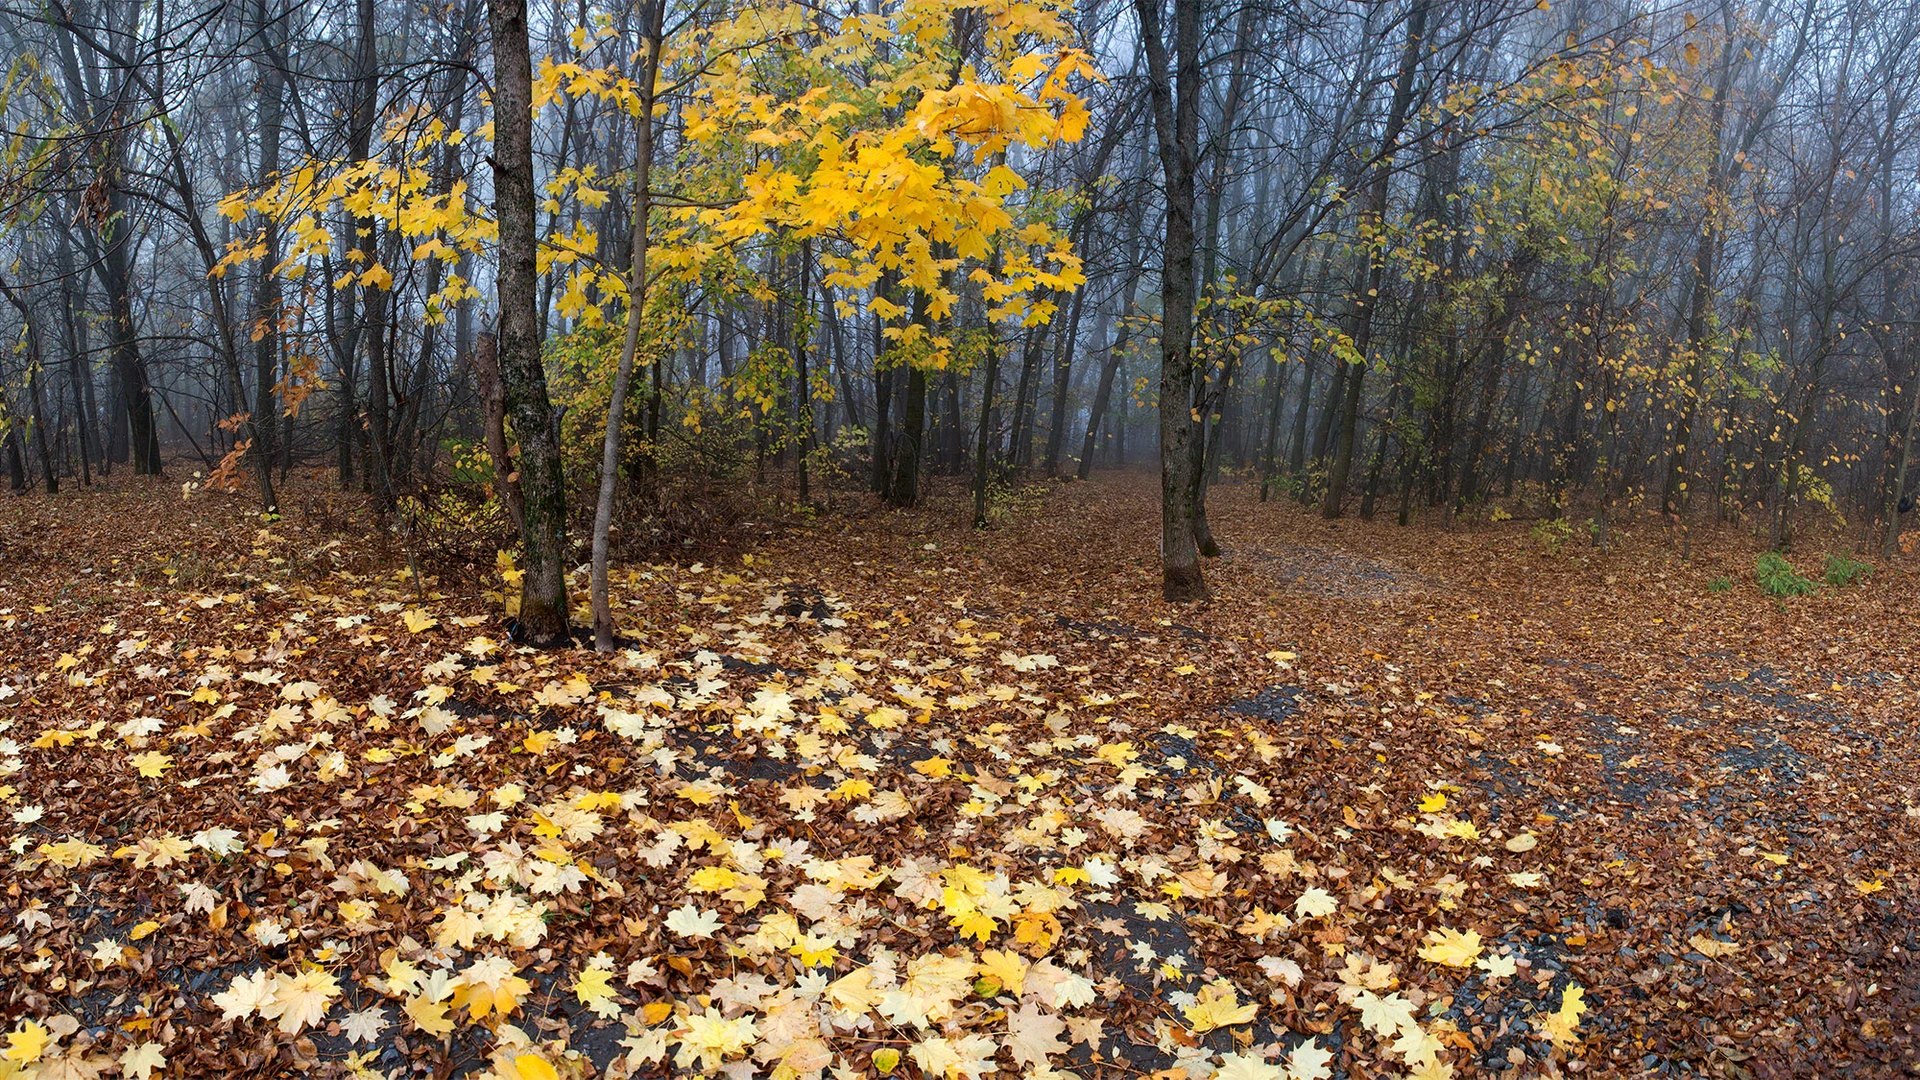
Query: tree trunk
pixel 905 489
pixel 1482 417
pixel 16 464
pixel 651 18
pixel 1895 497
pixel 1063 384
pixel 803 381
pixel 130 369
pixel 543 586
pixel 1103 390
pixel 1019 441
pixel 267 294
pixel 1176 112
pixel 906 476
pixel 1302 412
pixel 31 329
pixel 79 373
pixel 953 451
pixel 1700 307
pixel 376 301
pixel 983 445
pixel 1275 393
pixel 1372 487
pixel 47 474
pixel 882 477
pixel 493 406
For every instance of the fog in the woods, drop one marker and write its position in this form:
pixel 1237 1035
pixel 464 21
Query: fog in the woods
pixel 1198 538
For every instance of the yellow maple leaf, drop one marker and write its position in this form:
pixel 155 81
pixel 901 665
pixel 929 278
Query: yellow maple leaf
pixel 527 1067
pixel 151 764
pixel 490 986
pixel 595 990
pixel 712 879
pixel 1217 1006
pixel 1561 1024
pixel 600 800
pixel 417 621
pixel 976 924
pixel 712 1039
pixel 814 950
pixel 1433 803
pixel 428 1015
pixel 698 794
pixel 1709 947
pixel 27 1043
pixel 71 853
pixel 301 1000
pixel 1258 923
pixel 1497 966
pixel 1006 968
pixel 1315 903
pixel 937 767
pixel 1451 947
pixel 139 1062
pixel 848 790
pixel 1036 930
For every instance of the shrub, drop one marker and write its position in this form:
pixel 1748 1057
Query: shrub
pixel 1552 534
pixel 457 523
pixel 1777 577
pixel 1720 585
pixel 1843 570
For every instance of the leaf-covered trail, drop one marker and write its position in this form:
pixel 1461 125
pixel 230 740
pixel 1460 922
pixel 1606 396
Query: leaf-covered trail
pixel 879 793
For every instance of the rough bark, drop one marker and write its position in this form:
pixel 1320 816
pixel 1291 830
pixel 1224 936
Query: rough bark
pixel 493 406
pixel 523 378
pixel 1176 89
pixel 905 489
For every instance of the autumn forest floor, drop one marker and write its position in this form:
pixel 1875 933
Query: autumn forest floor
pixel 872 792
